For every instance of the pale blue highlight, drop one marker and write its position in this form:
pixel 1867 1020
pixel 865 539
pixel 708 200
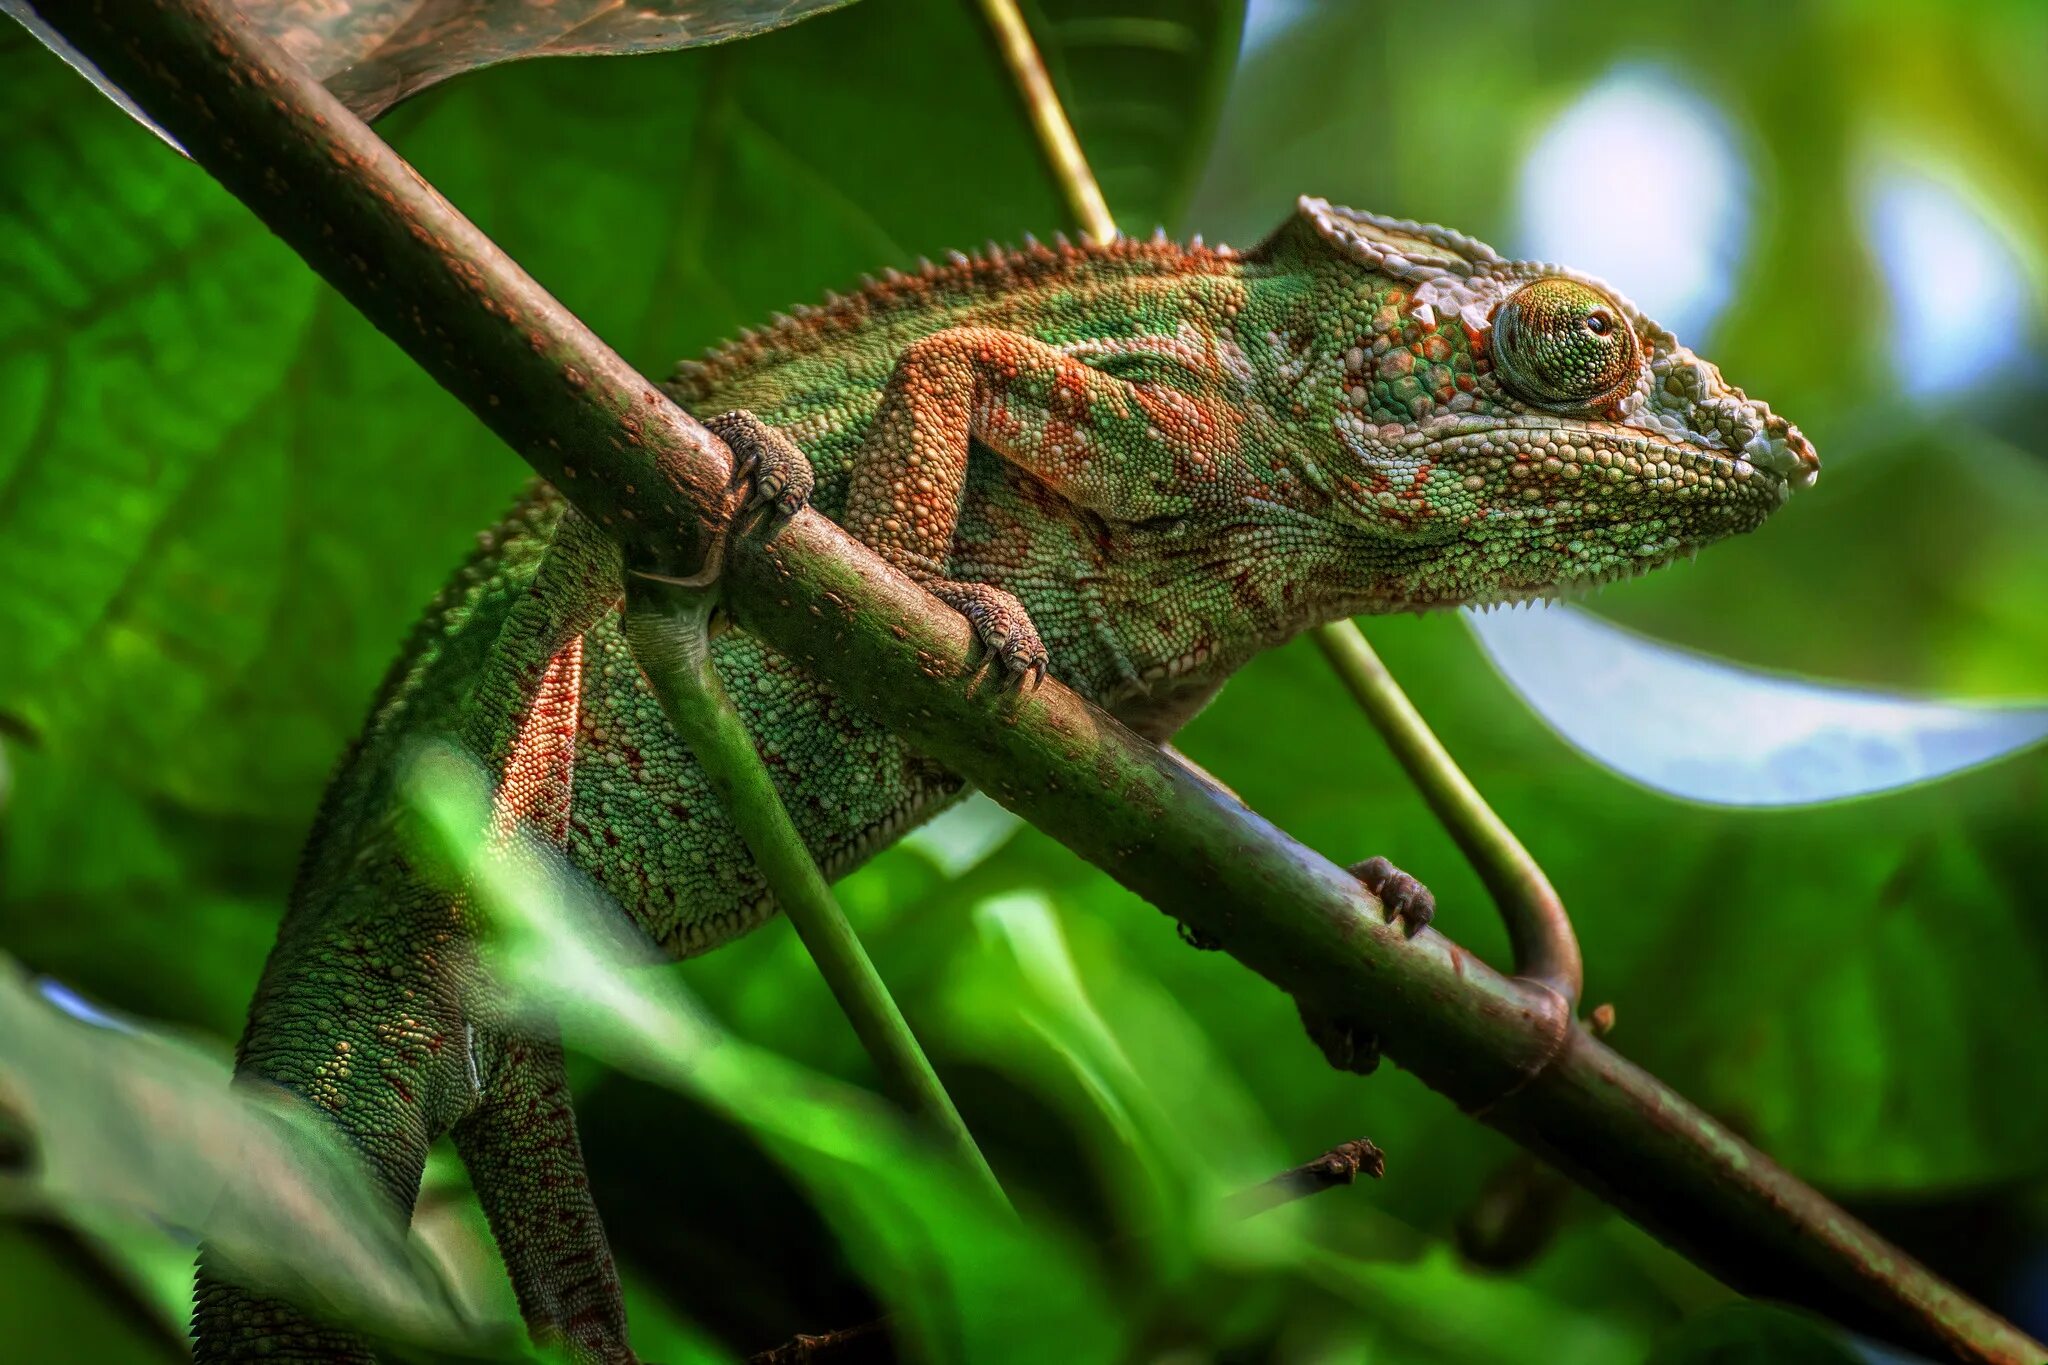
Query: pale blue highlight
pixel 1699 728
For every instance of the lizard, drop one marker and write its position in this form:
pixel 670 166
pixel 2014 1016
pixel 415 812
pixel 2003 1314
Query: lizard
pixel 1131 464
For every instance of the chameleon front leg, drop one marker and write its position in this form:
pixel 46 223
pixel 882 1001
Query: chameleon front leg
pixel 1129 451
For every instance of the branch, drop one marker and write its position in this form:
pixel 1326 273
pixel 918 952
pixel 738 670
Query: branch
pixel 1506 1052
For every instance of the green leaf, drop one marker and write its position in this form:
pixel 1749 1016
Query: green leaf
pixel 969 1280
pixel 1143 83
pixel 223 497
pixel 127 1125
pixel 375 53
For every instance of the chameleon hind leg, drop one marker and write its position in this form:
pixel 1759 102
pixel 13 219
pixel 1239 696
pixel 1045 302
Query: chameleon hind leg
pixel 373 1010
pixel 519 1138
pixel 1130 450
pixel 519 1141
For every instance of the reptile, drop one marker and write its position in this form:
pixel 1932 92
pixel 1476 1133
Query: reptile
pixel 1132 464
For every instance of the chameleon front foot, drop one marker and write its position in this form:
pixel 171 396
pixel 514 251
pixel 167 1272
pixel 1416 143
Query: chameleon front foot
pixel 1407 901
pixel 1000 623
pixel 779 473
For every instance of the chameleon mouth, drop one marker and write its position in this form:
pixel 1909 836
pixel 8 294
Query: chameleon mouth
pixel 1567 450
pixel 1583 503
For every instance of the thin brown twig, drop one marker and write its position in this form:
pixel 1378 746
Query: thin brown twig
pixel 1341 1165
pixel 864 1340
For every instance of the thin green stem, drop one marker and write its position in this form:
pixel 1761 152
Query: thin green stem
pixel 1546 951
pixel 1049 117
pixel 667 627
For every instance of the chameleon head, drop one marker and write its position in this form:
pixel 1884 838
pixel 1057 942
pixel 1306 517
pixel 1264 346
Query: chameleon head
pixel 1532 415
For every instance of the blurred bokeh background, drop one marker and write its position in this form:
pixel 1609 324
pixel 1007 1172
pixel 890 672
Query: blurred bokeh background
pixel 223 497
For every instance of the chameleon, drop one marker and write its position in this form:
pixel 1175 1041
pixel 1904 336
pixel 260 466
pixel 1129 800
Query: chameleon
pixel 1131 465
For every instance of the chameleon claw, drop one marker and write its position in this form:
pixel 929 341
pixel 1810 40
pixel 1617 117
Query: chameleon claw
pixel 1346 1044
pixel 777 473
pixel 1001 626
pixel 1408 902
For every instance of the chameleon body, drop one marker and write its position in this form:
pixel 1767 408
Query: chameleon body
pixel 1136 464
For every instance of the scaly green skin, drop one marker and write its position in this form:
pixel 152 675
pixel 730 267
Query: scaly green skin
pixel 1180 456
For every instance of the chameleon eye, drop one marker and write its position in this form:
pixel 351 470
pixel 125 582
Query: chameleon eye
pixel 1562 344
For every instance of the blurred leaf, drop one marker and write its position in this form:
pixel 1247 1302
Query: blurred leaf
pixel 1754 1334
pixel 1700 728
pixel 1435 1309
pixel 1143 83
pixel 958 840
pixel 137 903
pixel 1172 1129
pixel 132 1125
pixel 967 1279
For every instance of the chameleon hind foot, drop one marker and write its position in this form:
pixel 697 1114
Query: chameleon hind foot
pixel 1407 901
pixel 1000 623
pixel 779 472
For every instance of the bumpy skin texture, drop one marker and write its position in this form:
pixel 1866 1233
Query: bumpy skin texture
pixel 1136 465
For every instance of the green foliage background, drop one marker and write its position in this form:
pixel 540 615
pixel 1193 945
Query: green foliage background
pixel 223 495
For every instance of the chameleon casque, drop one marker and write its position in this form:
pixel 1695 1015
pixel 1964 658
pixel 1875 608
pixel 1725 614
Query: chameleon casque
pixel 1134 464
